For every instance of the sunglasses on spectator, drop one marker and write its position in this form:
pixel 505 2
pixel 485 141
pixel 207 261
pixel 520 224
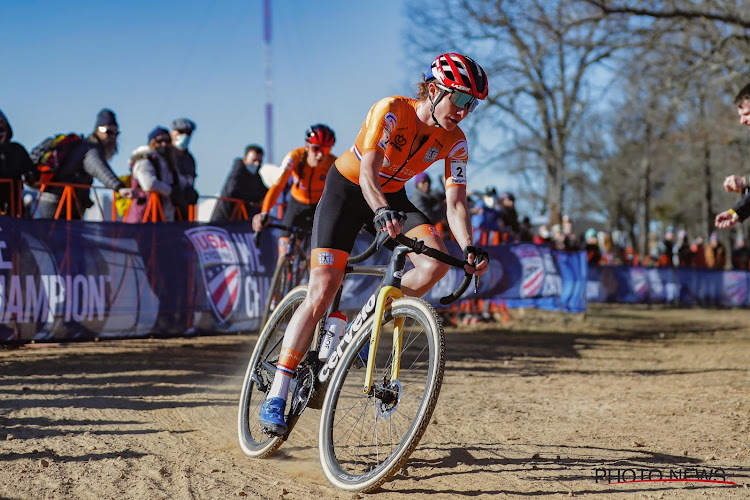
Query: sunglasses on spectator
pixel 109 131
pixel 461 99
pixel 162 139
pixel 323 149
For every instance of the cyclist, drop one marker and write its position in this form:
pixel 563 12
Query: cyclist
pixel 308 167
pixel 400 138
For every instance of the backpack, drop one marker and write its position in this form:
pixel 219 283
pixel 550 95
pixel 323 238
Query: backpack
pixel 49 156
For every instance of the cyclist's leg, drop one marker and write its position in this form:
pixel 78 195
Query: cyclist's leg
pixel 334 233
pixel 427 271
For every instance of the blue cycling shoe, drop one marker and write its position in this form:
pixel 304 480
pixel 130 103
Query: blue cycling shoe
pixel 272 416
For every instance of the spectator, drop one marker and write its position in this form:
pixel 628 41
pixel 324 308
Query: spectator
pixel 182 131
pixel 84 163
pixel 153 174
pixel 509 217
pixel 699 253
pixel 684 253
pixel 542 236
pixel 716 254
pixel 427 201
pixel 610 257
pixel 525 233
pixel 486 219
pixel 664 250
pixel 741 254
pixel 591 245
pixel 14 163
pixel 570 240
pixel 244 183
pixel 558 237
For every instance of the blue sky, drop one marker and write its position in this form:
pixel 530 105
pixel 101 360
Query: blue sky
pixel 152 62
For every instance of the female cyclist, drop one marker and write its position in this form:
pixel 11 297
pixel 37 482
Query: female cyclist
pixel 308 167
pixel 400 138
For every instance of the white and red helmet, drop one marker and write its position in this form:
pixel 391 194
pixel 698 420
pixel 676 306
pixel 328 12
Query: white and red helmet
pixel 458 72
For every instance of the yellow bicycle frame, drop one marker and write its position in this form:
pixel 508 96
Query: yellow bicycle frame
pixel 377 318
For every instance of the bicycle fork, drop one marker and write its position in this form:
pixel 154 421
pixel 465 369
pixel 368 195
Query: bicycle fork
pixel 391 290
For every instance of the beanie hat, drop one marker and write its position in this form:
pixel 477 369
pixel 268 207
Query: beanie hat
pixel 421 176
pixel 4 118
pixel 106 118
pixel 157 132
pixel 184 125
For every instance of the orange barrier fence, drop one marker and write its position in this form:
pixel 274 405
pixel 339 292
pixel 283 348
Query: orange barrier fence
pixel 15 198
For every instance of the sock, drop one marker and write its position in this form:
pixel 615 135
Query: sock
pixel 288 362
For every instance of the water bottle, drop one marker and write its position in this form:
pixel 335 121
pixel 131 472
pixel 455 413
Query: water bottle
pixel 334 331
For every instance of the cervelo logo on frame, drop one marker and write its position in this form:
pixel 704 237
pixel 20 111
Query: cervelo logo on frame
pixel 219 266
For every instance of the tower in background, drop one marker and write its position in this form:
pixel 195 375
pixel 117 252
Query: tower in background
pixel 269 106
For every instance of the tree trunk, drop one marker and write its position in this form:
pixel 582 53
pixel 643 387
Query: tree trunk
pixel 645 193
pixel 554 194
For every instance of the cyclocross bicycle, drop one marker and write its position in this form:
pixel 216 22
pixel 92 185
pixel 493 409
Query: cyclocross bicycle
pixel 376 397
pixel 292 270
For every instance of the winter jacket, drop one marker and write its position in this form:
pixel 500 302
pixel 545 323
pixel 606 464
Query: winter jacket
pixel 81 166
pixel 243 184
pixel 151 173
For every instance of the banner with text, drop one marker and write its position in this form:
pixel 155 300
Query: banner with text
pixel 78 280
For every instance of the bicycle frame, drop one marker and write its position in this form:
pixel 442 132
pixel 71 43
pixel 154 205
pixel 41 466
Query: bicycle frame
pixel 390 289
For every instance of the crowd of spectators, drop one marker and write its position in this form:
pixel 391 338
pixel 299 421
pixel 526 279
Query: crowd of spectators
pixel 164 168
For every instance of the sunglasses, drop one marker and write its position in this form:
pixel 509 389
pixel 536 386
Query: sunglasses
pixel 162 139
pixel 461 99
pixel 109 131
pixel 323 149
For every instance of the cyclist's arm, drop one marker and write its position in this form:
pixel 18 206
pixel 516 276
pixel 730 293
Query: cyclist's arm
pixel 278 187
pixel 459 218
pixel 370 166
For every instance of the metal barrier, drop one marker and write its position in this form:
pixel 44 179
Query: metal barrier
pixel 15 207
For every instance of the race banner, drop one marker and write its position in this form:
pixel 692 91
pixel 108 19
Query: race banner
pixel 78 280
pixel 675 286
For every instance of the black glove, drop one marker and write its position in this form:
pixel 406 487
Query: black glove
pixel 479 254
pixel 383 215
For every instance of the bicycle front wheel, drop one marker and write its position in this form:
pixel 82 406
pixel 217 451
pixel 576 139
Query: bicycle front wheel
pixel 366 438
pixel 259 377
pixel 280 285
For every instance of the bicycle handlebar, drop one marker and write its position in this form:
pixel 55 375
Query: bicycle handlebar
pixel 419 247
pixel 276 225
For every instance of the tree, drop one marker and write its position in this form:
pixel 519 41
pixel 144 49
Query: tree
pixel 540 56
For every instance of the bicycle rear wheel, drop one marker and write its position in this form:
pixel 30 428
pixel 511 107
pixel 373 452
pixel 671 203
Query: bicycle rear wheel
pixel 366 438
pixel 280 285
pixel 259 377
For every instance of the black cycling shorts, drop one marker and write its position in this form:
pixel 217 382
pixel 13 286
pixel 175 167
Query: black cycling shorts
pixel 342 212
pixel 297 214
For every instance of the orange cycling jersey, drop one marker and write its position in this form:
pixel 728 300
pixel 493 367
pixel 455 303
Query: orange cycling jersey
pixel 307 181
pixel 391 127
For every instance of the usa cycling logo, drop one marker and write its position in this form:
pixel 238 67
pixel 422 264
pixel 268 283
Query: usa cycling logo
pixel 532 277
pixel 219 266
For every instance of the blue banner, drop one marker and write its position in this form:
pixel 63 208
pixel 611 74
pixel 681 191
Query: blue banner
pixel 78 280
pixel 676 286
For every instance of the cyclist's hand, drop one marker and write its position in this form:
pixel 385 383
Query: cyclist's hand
pixel 478 259
pixel 260 220
pixel 387 220
pixel 735 183
pixel 726 219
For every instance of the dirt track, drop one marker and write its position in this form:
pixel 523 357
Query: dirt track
pixel 528 410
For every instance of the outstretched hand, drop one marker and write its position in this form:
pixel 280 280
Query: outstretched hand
pixel 726 219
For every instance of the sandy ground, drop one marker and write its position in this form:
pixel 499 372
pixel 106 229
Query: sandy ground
pixel 531 409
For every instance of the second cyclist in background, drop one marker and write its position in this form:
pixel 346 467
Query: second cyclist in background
pixel 308 167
